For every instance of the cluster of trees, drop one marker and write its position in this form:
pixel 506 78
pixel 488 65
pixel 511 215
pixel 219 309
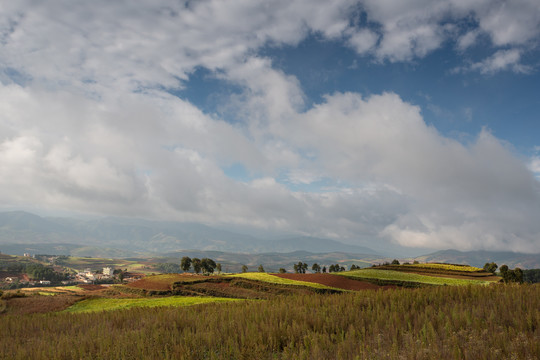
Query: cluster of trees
pixel 300 268
pixel 40 272
pixel 336 268
pixel 34 271
pixel 206 265
pixel 490 267
pixel 169 268
pixel 508 275
pixel 531 276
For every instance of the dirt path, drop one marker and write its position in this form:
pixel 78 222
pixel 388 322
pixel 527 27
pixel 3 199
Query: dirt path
pixel 337 281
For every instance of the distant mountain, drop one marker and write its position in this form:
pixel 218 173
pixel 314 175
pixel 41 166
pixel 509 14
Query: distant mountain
pixel 316 245
pixel 135 236
pixel 480 257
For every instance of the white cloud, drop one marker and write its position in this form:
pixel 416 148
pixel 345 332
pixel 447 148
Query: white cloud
pixel 93 129
pixel 502 60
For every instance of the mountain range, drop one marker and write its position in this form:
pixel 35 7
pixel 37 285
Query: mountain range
pixel 20 230
pixel 23 232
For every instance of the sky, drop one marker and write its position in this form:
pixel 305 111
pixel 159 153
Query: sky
pixel 386 123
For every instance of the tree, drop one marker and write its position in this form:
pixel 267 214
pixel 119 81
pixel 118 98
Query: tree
pixel 197 265
pixel 324 269
pixel 395 262
pixel 261 268
pixel 208 265
pixel 518 275
pixel 490 267
pixel 304 268
pixel 218 268
pixel 185 263
pixel 282 271
pixel 244 268
pixel 316 267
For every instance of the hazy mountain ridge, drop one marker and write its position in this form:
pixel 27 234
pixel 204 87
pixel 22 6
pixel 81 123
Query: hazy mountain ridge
pixel 480 257
pixel 144 236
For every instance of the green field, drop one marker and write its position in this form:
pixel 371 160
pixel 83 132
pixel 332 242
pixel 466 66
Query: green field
pixel 391 275
pixel 269 278
pixel 105 304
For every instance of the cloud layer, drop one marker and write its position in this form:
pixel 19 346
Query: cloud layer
pixel 88 122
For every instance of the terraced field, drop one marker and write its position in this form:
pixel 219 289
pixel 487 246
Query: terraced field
pixel 448 267
pixel 407 277
pixel 269 278
pixel 107 304
pixel 164 281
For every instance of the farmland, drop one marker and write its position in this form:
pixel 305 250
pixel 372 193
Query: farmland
pixel 393 276
pixel 264 277
pixel 442 322
pixel 106 304
pixel 359 314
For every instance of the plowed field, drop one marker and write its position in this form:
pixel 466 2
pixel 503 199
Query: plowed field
pixel 340 282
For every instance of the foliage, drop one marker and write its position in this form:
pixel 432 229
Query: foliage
pixel 244 268
pixel 531 276
pixel 40 272
pixel 398 276
pixel 336 268
pixel 469 322
pixel 490 267
pixel 316 268
pixel 261 268
pixel 395 262
pixel 208 265
pixel 300 268
pixel 282 271
pixel 197 265
pixel 185 263
pixel 508 275
pixel 168 268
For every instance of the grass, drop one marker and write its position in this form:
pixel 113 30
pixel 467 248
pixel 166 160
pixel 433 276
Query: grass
pixel 391 275
pixel 436 322
pixel 269 278
pixel 105 304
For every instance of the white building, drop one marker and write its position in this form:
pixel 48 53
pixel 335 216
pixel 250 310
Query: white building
pixel 108 271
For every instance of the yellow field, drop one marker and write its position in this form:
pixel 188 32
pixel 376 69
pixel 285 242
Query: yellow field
pixel 269 278
pixel 464 268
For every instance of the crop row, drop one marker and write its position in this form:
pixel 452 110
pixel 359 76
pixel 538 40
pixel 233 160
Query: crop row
pixel 392 275
pixel 106 304
pixel 449 267
pixel 265 277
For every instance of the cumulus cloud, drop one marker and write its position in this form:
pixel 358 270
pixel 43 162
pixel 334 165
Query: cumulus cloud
pixel 501 60
pixel 88 123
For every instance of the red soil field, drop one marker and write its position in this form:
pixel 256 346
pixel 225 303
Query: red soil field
pixel 337 281
pixel 40 304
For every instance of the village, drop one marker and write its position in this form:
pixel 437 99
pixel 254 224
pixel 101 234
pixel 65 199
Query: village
pixel 55 274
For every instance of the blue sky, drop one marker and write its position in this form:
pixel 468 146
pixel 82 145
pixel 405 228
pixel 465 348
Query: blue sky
pixel 409 124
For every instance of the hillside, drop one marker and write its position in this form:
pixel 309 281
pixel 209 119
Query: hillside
pixel 480 257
